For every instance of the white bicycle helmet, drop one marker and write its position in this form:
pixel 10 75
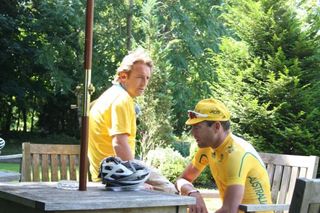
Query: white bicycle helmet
pixel 2 143
pixel 117 173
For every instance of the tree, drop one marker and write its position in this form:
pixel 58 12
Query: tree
pixel 155 129
pixel 262 76
pixel 192 30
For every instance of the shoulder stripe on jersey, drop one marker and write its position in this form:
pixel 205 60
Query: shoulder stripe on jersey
pixel 245 155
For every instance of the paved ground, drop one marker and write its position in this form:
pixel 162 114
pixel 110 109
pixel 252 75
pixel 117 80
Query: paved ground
pixel 213 204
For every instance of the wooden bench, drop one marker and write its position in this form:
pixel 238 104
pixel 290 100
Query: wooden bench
pixel 306 196
pixel 283 171
pixel 49 162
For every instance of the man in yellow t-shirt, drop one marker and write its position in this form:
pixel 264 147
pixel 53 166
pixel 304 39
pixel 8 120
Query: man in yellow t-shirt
pixel 112 119
pixel 235 165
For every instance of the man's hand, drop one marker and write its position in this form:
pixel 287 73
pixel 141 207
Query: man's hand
pixel 147 187
pixel 200 206
pixel 185 187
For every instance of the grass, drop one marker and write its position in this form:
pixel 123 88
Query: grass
pixel 15 167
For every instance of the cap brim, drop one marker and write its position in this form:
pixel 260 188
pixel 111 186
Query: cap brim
pixel 198 120
pixel 195 121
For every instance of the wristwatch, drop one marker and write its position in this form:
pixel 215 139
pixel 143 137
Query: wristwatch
pixel 193 191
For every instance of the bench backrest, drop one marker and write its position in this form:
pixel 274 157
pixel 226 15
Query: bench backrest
pixel 49 162
pixel 306 196
pixel 283 171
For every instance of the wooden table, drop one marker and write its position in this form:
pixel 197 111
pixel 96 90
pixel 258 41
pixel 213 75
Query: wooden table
pixel 35 197
pixel 6 176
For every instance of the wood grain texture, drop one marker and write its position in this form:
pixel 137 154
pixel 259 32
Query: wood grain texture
pixel 50 162
pixel 45 197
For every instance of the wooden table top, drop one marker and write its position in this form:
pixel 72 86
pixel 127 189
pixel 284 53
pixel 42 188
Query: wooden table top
pixel 6 176
pixel 46 196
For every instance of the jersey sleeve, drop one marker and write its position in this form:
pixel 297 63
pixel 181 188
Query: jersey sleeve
pixel 200 159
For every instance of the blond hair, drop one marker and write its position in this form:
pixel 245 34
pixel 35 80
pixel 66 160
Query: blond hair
pixel 138 55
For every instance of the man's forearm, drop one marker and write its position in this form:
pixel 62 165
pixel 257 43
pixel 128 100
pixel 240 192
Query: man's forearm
pixel 121 147
pixel 185 187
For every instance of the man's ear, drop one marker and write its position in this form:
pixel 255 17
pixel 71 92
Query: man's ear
pixel 123 76
pixel 217 125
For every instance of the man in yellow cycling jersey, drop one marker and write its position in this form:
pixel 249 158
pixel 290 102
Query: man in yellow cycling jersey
pixel 235 165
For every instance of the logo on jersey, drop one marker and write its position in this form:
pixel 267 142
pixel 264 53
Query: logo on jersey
pixel 203 159
pixel 257 187
pixel 220 158
pixel 230 148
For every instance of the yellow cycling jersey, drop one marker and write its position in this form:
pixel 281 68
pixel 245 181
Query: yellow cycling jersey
pixel 236 162
pixel 112 113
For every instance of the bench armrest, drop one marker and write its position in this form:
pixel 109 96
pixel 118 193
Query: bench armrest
pixel 263 207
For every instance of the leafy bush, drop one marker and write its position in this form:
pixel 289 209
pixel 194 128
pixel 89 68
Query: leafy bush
pixel 169 162
pixel 182 144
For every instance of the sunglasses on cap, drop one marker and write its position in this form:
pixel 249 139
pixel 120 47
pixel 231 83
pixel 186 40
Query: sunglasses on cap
pixel 193 114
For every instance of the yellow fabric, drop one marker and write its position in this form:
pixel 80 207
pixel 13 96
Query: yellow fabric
pixel 113 113
pixel 213 108
pixel 236 162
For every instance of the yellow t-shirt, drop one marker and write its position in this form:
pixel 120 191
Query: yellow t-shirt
pixel 236 162
pixel 113 113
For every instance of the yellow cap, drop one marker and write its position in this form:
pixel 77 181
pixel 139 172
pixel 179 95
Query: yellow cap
pixel 208 110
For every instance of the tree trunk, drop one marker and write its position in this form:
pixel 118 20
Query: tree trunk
pixel 32 120
pixel 18 122
pixel 8 119
pixel 33 113
pixel 129 24
pixel 24 117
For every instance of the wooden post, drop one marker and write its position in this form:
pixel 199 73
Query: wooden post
pixel 86 97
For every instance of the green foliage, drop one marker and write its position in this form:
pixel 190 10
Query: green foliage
pixel 170 163
pixel 44 37
pixel 155 127
pixel 265 79
pixel 182 147
pixel 109 42
pixel 259 57
pixel 192 29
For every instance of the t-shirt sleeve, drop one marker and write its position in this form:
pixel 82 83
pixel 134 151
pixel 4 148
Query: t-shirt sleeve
pixel 121 116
